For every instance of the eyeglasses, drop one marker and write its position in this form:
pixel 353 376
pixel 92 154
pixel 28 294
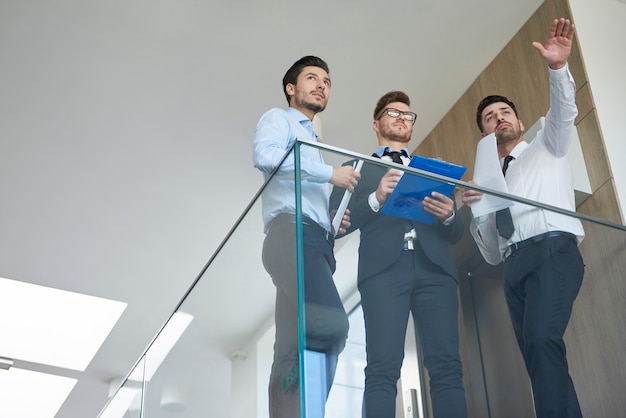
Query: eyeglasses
pixel 394 113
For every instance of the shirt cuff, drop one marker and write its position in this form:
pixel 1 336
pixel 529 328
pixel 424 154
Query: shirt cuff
pixel 562 73
pixel 373 202
pixel 449 219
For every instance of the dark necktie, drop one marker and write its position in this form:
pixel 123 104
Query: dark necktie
pixel 396 155
pixel 504 222
pixel 507 160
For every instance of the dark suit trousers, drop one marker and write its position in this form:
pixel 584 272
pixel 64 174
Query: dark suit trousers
pixel 326 320
pixel 412 284
pixel 541 283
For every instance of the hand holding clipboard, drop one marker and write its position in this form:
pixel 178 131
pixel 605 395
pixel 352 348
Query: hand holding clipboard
pixel 406 199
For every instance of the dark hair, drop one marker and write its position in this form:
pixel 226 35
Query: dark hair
pixel 291 76
pixel 489 100
pixel 391 97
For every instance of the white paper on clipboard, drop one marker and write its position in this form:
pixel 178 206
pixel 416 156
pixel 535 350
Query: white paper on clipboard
pixel 344 201
pixel 488 173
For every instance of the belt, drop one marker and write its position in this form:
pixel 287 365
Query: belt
pixel 290 218
pixel 513 248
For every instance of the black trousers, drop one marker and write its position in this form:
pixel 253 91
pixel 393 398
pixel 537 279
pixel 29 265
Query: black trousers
pixel 326 327
pixel 412 284
pixel 541 282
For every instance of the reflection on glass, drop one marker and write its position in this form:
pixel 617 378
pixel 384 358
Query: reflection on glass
pixel 127 396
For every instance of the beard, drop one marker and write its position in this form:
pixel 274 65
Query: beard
pixel 392 134
pixel 508 135
pixel 302 102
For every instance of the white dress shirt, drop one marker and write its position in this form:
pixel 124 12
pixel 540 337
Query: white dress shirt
pixel 540 172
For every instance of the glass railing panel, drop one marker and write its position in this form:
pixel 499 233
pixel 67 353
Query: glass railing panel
pixel 127 400
pixel 214 356
pixel 495 378
pixel 493 364
pixel 220 361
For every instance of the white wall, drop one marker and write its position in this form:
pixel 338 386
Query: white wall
pixel 602 36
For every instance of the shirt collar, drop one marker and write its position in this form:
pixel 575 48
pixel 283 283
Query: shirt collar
pixel 303 120
pixel 381 149
pixel 519 148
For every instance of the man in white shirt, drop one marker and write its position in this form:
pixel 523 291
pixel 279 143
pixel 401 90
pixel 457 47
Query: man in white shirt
pixel 543 268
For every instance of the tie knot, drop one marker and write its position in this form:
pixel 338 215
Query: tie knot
pixel 396 156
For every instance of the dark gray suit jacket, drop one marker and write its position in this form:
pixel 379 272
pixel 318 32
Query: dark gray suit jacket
pixel 382 236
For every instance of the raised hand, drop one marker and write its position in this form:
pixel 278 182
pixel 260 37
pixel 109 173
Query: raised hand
pixel 558 45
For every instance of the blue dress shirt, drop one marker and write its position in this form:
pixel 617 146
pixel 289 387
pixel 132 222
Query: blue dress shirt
pixel 276 131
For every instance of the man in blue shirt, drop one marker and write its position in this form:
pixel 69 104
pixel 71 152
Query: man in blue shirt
pixel 307 87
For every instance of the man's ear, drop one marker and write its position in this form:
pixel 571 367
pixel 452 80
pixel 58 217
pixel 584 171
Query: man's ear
pixel 375 126
pixel 290 88
pixel 521 125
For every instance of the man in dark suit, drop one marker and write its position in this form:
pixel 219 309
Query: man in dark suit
pixel 405 266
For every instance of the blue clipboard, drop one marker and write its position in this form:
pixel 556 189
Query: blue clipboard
pixel 406 199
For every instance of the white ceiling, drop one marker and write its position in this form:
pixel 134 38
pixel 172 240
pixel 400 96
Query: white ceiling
pixel 115 114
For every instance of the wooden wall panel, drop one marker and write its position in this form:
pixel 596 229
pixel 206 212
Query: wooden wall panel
pixel 602 205
pixel 594 151
pixel 584 102
pixel 595 337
